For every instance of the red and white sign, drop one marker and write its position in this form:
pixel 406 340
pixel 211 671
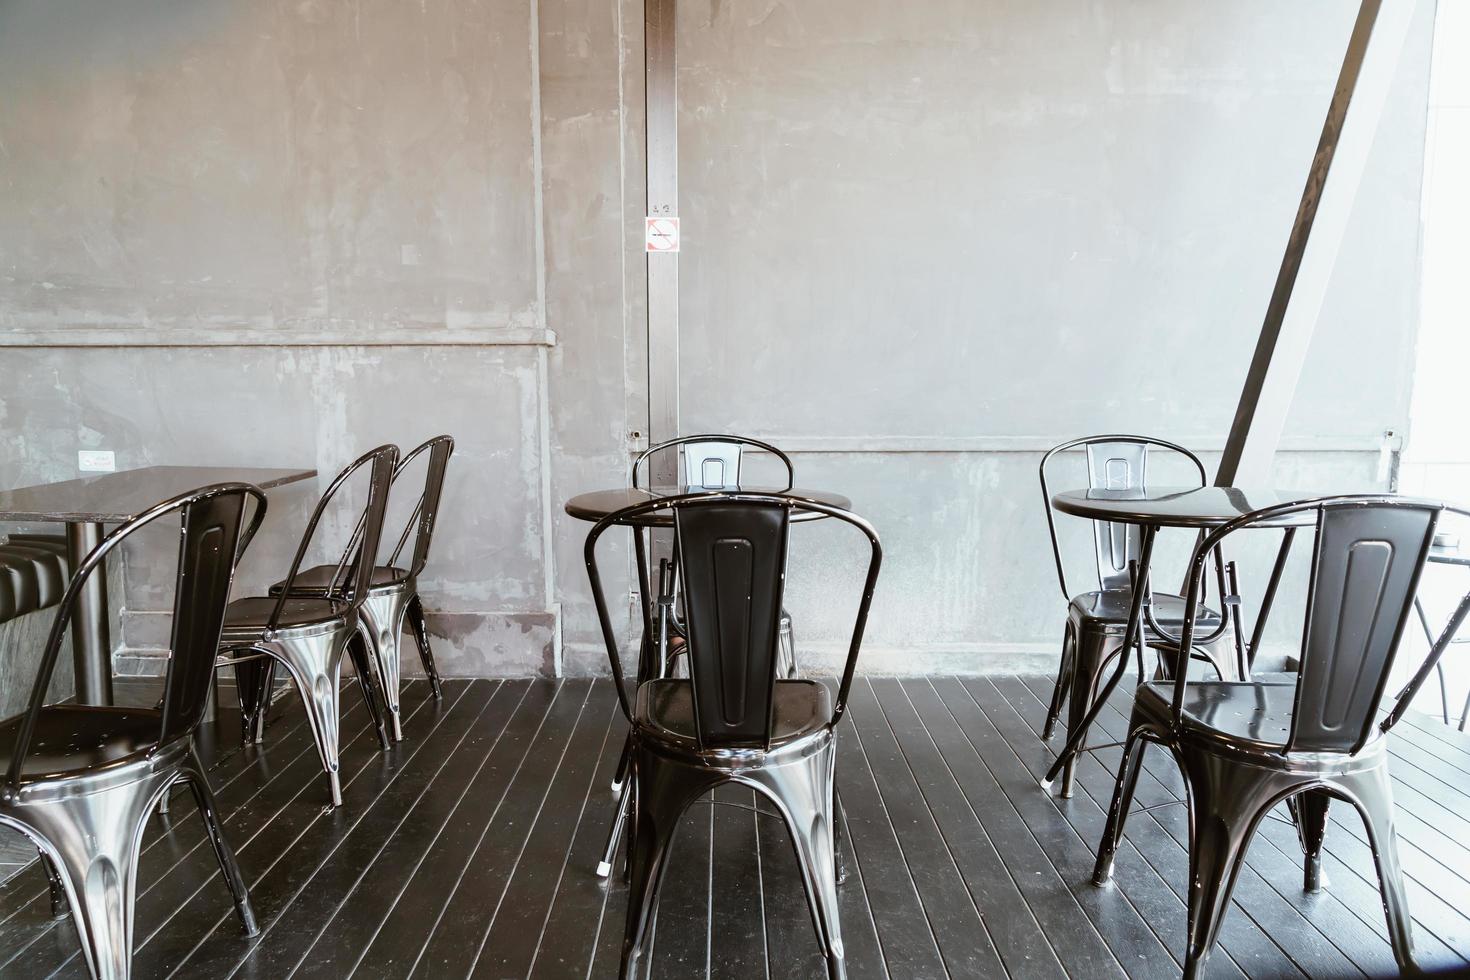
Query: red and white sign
pixel 660 234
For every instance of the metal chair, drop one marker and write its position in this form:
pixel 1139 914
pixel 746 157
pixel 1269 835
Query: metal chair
pixel 1097 620
pixel 81 781
pixel 1244 747
pixel 712 462
pixel 393 594
pixel 309 635
pixel 732 720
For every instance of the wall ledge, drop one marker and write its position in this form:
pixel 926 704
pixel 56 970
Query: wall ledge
pixel 404 336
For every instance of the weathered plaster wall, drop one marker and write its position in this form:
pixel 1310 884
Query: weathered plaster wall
pixel 891 216
pixel 214 174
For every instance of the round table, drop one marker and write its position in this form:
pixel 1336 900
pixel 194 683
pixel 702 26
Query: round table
pixel 1153 508
pixel 1194 507
pixel 1450 553
pixel 597 504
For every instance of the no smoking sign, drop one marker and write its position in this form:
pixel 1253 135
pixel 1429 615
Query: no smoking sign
pixel 660 234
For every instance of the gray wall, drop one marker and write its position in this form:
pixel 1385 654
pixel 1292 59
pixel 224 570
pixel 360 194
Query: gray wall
pixel 922 242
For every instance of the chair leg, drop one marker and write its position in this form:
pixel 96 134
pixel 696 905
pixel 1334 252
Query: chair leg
pixel 803 793
pixel 421 637
pixel 92 843
pixel 209 811
pixel 664 790
pixel 615 832
pixel 1372 794
pixel 253 680
pixel 382 620
pixel 1226 802
pixel 1064 681
pixel 839 830
pixel 1128 769
pixel 1311 828
pixel 362 664
pixel 315 665
pixel 786 648
pixel 60 907
pixel 1092 660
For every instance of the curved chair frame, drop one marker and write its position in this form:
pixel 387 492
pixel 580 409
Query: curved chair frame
pixel 312 654
pixel 88 823
pixel 390 604
pixel 797 775
pixel 1333 747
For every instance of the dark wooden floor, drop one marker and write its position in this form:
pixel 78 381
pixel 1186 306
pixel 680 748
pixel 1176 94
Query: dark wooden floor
pixel 469 850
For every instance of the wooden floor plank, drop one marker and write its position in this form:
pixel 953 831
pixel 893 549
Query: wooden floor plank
pixel 1065 929
pixel 582 912
pixel 511 942
pixel 962 934
pixel 402 935
pixel 454 943
pixel 470 849
pixel 1130 918
pixel 324 866
pixel 338 948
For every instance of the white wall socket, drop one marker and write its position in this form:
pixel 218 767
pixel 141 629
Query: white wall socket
pixel 96 461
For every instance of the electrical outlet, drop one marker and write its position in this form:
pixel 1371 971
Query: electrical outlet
pixel 96 460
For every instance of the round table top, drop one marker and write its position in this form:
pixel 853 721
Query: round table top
pixel 1448 553
pixel 597 504
pixel 1198 507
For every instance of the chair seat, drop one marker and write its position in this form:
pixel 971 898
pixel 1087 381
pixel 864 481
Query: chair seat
pixel 666 706
pixel 1254 712
pixel 248 617
pixel 1110 606
pixel 318 578
pixel 74 738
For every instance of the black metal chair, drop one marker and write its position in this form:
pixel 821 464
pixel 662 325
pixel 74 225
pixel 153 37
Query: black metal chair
pixel 393 593
pixel 81 781
pixel 712 462
pixel 733 720
pixel 309 635
pixel 1096 620
pixel 709 462
pixel 1244 747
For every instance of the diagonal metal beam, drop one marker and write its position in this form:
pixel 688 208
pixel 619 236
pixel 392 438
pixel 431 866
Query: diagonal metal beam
pixel 1311 251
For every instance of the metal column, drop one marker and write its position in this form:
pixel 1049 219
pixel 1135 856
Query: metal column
pixel 660 135
pixel 1311 251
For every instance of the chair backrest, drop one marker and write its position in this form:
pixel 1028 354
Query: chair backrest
pixel 1114 462
pixel 354 572
pixel 733 553
pixel 213 534
pixel 1369 552
pixel 733 557
pixel 421 521
pixel 712 462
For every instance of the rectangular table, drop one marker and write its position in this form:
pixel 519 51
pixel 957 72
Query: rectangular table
pixel 84 506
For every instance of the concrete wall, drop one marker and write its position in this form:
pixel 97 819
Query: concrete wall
pixel 921 244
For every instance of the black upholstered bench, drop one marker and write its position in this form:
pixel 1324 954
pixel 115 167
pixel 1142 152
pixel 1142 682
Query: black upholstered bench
pixel 33 573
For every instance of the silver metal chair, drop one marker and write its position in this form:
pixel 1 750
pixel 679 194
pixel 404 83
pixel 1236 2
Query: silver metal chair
pixel 309 635
pixel 1097 619
pixel 1244 747
pixel 393 594
pixel 733 720
pixel 81 781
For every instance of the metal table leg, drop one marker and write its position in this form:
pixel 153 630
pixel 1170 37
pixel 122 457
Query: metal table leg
pixel 91 646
